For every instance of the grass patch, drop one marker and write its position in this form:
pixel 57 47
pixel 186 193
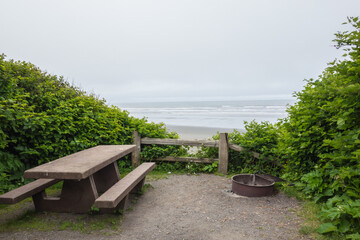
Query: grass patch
pixel 18 217
pixel 109 224
pixel 308 212
pixel 156 175
pixel 28 221
pixel 6 208
pixel 44 221
pixel 2 206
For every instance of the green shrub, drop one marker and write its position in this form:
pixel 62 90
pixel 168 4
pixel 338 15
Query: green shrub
pixel 261 138
pixel 42 118
pixel 321 144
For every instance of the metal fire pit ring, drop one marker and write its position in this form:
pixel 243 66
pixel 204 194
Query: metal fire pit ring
pixel 252 185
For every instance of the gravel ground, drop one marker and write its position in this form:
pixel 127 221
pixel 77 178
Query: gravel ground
pixel 196 207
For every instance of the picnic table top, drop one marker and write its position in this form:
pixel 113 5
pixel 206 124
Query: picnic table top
pixel 82 164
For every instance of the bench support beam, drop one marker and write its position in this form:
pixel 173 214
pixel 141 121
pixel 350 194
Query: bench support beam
pixel 138 186
pixel 76 196
pixel 121 206
pixel 106 177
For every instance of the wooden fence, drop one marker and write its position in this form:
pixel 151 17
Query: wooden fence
pixel 223 145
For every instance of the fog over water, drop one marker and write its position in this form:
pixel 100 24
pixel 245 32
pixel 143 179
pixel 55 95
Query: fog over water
pixel 163 50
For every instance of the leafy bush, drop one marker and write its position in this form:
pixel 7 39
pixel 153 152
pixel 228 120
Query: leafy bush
pixel 261 138
pixel 42 118
pixel 321 143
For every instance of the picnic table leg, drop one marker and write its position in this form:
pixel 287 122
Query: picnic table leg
pixel 121 206
pixel 106 177
pixel 76 196
pixel 138 186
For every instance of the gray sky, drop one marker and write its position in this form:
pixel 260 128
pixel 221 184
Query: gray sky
pixel 184 49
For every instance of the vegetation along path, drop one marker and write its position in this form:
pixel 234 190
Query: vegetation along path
pixel 190 207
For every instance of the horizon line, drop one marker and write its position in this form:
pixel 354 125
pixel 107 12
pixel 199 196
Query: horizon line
pixel 202 99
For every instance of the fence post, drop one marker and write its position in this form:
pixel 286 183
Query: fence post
pixel 135 155
pixel 223 153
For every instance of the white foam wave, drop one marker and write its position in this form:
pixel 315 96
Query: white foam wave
pixel 209 114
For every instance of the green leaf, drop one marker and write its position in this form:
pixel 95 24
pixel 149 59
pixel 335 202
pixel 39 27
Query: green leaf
pixel 354 236
pixel 353 193
pixel 340 122
pixel 326 228
pixel 344 226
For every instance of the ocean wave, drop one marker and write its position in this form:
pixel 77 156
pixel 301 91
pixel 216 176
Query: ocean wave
pixel 211 114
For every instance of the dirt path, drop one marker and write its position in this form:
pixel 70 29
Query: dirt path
pixel 197 207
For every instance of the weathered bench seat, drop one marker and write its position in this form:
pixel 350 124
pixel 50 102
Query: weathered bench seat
pixel 26 191
pixel 116 196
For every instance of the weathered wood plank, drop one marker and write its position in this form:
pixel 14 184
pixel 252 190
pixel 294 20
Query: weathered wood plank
pixel 235 147
pixel 239 149
pixel 187 159
pixel 167 141
pixel 223 153
pixel 82 164
pixel 135 155
pixel 26 191
pixel 256 155
pixel 112 197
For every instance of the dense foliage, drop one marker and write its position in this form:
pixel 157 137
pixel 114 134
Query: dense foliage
pixel 260 138
pixel 42 117
pixel 322 138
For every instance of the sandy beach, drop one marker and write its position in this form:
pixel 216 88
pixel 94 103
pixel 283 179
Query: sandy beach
pixel 191 132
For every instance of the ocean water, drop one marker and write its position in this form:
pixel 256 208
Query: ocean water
pixel 219 114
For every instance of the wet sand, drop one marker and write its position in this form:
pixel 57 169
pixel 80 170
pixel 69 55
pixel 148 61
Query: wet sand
pixel 191 132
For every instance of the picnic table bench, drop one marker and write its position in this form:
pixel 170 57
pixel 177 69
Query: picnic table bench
pixel 86 175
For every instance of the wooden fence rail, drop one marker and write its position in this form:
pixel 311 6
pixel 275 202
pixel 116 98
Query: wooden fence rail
pixel 167 141
pixel 223 145
pixel 187 159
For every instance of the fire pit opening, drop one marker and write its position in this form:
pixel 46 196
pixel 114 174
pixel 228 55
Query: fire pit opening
pixel 252 185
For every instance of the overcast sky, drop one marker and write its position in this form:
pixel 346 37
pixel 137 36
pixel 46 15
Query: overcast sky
pixel 186 49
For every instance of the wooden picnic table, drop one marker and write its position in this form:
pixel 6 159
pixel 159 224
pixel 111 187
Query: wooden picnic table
pixel 86 174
